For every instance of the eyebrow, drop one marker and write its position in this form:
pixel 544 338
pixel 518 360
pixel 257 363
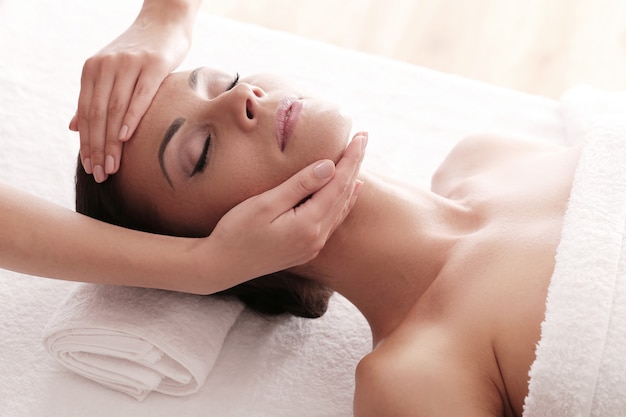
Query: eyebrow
pixel 169 134
pixel 193 78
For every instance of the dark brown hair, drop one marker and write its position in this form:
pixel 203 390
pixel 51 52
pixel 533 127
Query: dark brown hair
pixel 277 293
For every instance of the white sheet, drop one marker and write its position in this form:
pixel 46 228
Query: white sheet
pixel 268 367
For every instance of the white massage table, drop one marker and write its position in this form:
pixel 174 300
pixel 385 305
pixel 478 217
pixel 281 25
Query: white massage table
pixel 268 366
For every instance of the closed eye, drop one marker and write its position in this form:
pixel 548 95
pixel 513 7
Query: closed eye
pixel 202 162
pixel 234 83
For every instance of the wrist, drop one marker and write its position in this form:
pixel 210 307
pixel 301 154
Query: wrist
pixel 205 266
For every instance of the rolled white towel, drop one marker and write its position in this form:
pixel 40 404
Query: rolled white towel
pixel 137 340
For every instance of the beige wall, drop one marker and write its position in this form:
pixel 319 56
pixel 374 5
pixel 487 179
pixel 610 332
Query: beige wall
pixel 537 46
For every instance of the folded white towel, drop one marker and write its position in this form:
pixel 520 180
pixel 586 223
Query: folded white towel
pixel 580 368
pixel 138 340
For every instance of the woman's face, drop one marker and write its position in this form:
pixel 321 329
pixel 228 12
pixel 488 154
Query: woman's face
pixel 207 143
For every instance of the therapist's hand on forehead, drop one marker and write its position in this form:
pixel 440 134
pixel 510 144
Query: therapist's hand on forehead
pixel 119 82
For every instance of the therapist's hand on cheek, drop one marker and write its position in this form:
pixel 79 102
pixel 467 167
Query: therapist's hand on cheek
pixel 120 81
pixel 271 232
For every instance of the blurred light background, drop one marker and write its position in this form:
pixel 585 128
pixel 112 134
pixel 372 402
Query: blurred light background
pixel 537 46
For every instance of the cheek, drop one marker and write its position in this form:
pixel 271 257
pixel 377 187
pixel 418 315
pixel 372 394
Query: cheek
pixel 323 137
pixel 192 214
pixel 238 182
pixel 235 182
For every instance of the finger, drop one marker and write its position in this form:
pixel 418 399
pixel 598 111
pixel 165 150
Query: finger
pixel 118 105
pixel 144 91
pixel 327 204
pixel 287 195
pixel 74 123
pixel 98 114
pixel 82 118
pixel 346 201
pixel 356 190
pixel 96 83
pixel 85 96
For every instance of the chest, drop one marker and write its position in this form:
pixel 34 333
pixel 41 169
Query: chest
pixel 490 296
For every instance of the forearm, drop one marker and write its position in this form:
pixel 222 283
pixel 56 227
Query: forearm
pixel 181 13
pixel 41 238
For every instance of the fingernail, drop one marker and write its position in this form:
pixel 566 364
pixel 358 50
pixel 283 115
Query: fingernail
pixel 123 132
pixel 98 174
pixel 357 186
pixel 365 137
pixel 324 169
pixel 109 164
pixel 87 166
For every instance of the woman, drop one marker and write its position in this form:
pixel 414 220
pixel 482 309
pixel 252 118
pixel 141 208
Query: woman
pixel 442 275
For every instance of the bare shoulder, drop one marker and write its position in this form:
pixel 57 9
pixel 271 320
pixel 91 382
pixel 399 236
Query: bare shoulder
pixel 476 153
pixel 402 383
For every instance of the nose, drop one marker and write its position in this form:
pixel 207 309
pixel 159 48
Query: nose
pixel 242 104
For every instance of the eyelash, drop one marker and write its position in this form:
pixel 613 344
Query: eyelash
pixel 201 164
pixel 234 83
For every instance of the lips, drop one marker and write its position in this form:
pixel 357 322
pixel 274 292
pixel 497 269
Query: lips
pixel 287 116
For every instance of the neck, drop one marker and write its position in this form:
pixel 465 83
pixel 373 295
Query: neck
pixel 389 251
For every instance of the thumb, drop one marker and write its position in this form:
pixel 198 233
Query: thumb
pixel 304 183
pixel 74 123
